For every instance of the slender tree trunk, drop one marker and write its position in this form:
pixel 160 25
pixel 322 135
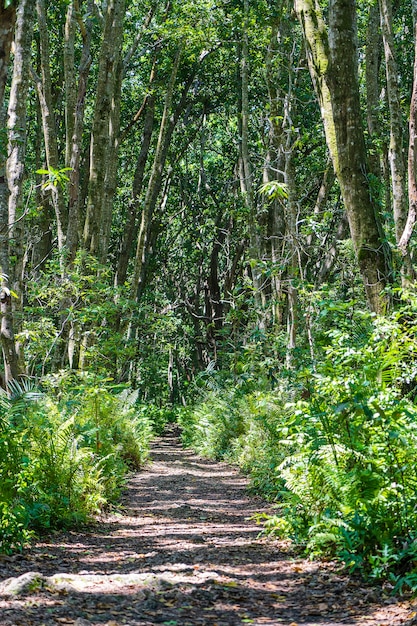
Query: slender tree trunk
pixel 17 135
pixel 378 161
pixel 10 358
pixel 42 235
pixel 102 140
pixel 154 180
pixel 332 57
pixel 412 163
pixel 245 168
pixel 44 88
pixel 110 181
pixel 396 145
pixel 245 171
pixel 274 169
pixel 131 228
pixel 17 106
pixel 292 235
pixel 282 234
pixel 69 77
pixel 77 126
pixel 372 65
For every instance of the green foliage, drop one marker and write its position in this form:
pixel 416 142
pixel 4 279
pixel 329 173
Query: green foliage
pixel 274 190
pixel 83 304
pixel 158 416
pixel 55 178
pixel 64 458
pixel 340 461
pixel 14 534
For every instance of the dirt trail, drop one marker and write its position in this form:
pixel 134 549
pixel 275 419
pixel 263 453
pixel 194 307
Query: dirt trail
pixel 184 552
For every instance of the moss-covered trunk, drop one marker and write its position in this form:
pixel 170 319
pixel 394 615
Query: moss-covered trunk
pixel 332 56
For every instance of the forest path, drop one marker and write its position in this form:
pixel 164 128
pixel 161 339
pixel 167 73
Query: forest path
pixel 184 551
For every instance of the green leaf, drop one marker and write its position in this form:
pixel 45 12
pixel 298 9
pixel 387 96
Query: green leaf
pixel 274 189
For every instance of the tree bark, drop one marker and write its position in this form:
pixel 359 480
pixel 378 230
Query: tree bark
pixel 10 358
pixel 112 157
pixel 102 139
pixel 274 169
pixel 412 162
pixel 7 23
pixel 372 65
pixel 17 134
pixel 77 125
pixel 155 179
pixel 44 89
pixel 396 145
pixel 332 57
pixel 131 228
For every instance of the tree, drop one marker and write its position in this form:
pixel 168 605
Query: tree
pixel 412 159
pixel 11 365
pixel 332 58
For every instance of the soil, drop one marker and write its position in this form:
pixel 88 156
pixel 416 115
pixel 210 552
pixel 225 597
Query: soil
pixel 183 550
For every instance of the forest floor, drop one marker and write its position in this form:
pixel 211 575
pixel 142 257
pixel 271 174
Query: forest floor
pixel 183 550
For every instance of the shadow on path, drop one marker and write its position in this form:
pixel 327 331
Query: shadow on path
pixel 184 551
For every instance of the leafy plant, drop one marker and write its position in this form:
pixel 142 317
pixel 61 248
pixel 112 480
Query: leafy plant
pixel 340 462
pixel 55 177
pixel 63 460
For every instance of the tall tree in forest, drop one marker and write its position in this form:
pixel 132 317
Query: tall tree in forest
pixel 396 152
pixel 17 135
pixel 155 179
pixel 332 57
pixel 104 135
pixel 11 365
pixel 74 113
pixel 412 156
pixel 45 93
pixel 281 237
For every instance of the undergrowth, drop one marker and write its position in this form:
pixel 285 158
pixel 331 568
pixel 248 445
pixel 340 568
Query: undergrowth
pixel 334 446
pixel 64 452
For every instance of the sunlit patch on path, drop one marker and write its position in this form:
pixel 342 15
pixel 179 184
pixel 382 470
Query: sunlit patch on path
pixel 183 551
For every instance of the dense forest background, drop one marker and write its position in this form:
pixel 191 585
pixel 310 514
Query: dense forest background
pixel 206 215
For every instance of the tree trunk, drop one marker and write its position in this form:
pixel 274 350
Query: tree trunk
pixel 396 145
pixel 372 65
pixel 44 88
pixel 112 157
pixel 412 162
pixel 102 140
pixel 274 170
pixel 131 228
pixel 154 184
pixel 10 359
pixel 77 125
pixel 17 134
pixel 332 56
pixel 69 77
pixel 245 167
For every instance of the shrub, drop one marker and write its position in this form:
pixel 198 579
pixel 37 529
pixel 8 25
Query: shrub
pixel 63 459
pixel 339 462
